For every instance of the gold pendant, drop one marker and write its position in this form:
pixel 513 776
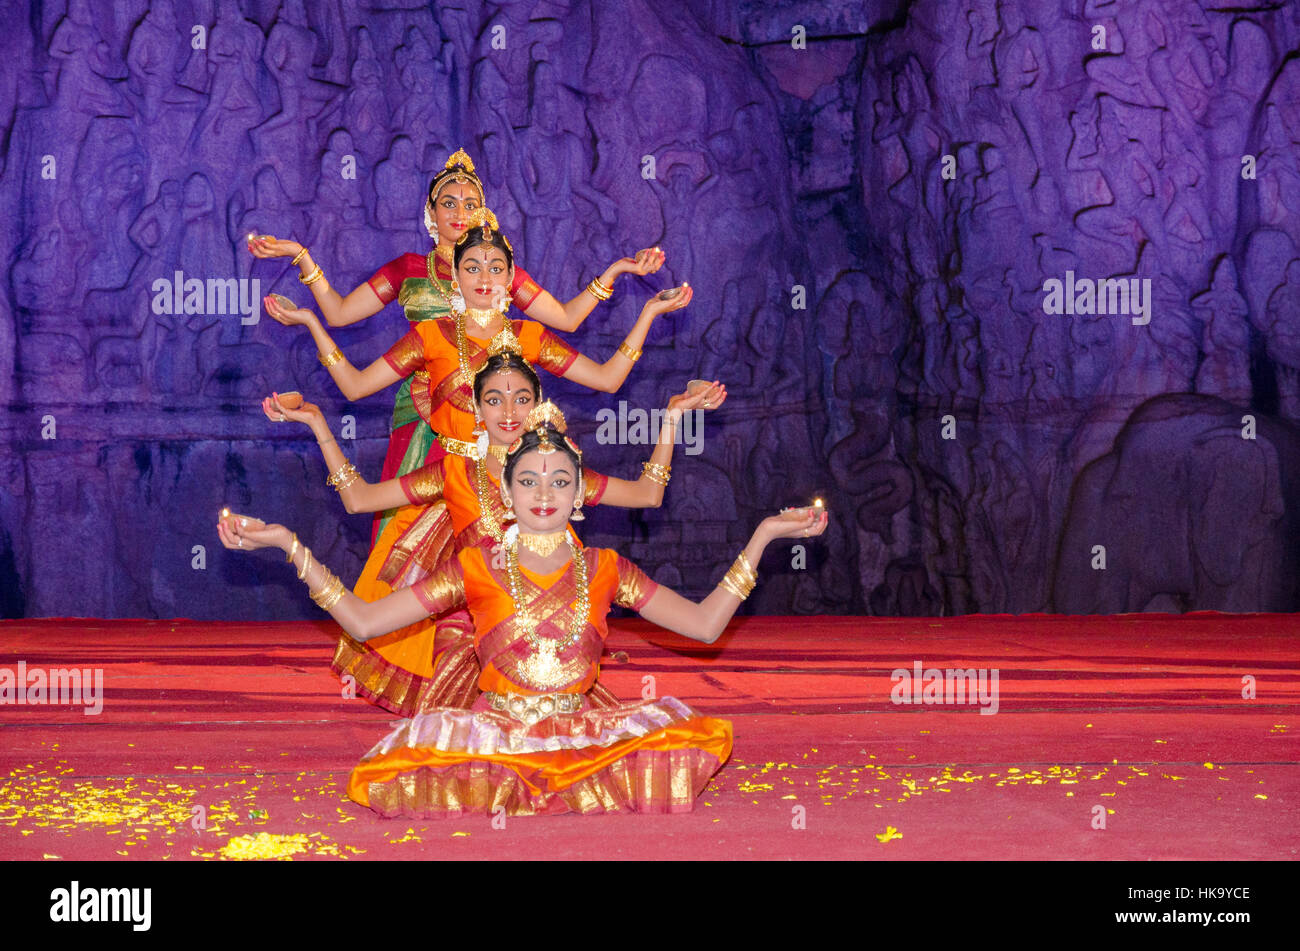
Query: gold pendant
pixel 543 667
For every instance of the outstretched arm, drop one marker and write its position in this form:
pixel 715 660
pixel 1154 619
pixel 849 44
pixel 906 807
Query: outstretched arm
pixel 568 317
pixel 353 383
pixel 706 620
pixel 647 492
pixel 357 494
pixel 362 620
pixel 607 377
pixel 338 311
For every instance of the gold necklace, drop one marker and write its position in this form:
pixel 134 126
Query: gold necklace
pixel 437 281
pixel 462 349
pixel 544 545
pixel 482 316
pixel 543 668
pixel 498 453
pixel 491 515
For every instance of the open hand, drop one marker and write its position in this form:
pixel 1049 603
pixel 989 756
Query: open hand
pixel 657 305
pixel 706 397
pixel 806 522
pixel 289 316
pixel 277 412
pixel 250 534
pixel 646 261
pixel 269 246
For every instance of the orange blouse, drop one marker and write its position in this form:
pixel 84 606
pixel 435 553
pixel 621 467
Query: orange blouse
pixel 470 580
pixel 442 397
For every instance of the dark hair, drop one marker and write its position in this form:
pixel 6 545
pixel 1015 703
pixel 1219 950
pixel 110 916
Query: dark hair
pixel 506 360
pixel 473 238
pixel 530 441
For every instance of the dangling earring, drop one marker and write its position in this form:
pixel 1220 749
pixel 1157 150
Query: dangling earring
pixel 509 504
pixel 430 225
pixel 481 440
pixel 577 515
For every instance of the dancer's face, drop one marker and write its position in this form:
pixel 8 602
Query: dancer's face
pixel 451 210
pixel 543 490
pixel 484 277
pixel 507 397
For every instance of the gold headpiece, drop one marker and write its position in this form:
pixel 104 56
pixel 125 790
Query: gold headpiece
pixel 483 219
pixel 459 169
pixel 460 158
pixel 505 341
pixel 544 413
pixel 539 426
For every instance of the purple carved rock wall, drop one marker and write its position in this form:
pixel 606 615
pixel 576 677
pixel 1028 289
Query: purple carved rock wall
pixel 872 201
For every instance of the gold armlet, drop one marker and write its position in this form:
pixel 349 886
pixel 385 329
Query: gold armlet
pixel 329 359
pixel 627 351
pixel 316 274
pixel 599 290
pixel 343 476
pixel 656 473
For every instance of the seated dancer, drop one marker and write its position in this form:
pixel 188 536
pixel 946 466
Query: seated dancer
pixel 442 355
pixel 531 743
pixel 426 288
pixel 463 490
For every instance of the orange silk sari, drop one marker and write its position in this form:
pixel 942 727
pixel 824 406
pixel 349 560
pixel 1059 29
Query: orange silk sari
pixel 650 756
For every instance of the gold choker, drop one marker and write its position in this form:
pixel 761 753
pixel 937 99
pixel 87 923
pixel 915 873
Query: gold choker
pixel 482 317
pixel 498 452
pixel 543 545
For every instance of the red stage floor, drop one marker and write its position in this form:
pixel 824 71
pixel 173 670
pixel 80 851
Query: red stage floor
pixel 1140 719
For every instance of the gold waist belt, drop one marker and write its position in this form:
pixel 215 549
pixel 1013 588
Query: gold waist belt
pixel 458 447
pixel 531 709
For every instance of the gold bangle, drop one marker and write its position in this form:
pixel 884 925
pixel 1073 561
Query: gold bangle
pixel 599 290
pixel 627 351
pixel 726 584
pixel 316 274
pixel 329 359
pixel 656 473
pixel 293 549
pixel 330 592
pixel 747 568
pixel 740 578
pixel 306 563
pixel 298 257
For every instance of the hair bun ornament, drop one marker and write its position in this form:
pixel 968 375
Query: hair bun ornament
pixel 544 413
